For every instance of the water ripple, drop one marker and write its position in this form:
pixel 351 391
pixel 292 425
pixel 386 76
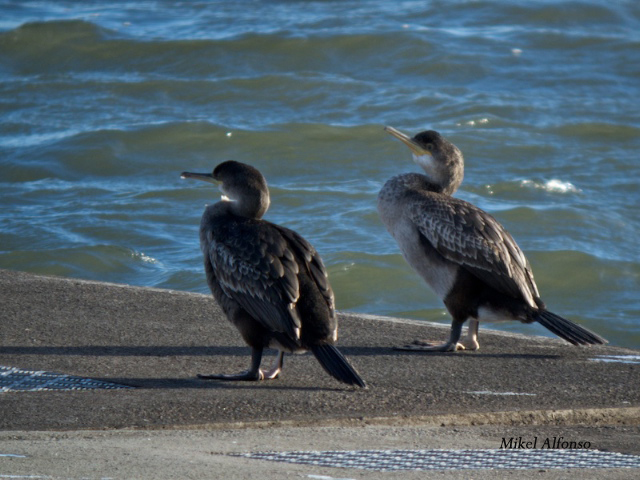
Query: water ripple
pixel 104 104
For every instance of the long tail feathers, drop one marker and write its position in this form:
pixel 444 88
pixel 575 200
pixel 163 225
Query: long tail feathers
pixel 336 365
pixel 571 332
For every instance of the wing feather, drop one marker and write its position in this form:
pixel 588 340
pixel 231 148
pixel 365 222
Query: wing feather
pixel 313 263
pixel 255 268
pixel 257 264
pixel 470 237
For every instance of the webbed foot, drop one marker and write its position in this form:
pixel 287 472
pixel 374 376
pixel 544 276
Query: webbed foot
pixel 255 373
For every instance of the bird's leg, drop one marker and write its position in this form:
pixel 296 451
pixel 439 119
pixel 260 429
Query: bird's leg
pixel 470 342
pixel 276 368
pixel 451 345
pixel 253 374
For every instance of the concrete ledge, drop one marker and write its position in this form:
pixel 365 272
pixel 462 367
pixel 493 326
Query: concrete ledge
pixel 173 425
pixel 157 341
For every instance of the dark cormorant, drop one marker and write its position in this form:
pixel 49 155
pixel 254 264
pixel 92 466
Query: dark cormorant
pixel 463 253
pixel 270 282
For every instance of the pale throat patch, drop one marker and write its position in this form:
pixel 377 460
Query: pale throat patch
pixel 425 161
pixel 224 197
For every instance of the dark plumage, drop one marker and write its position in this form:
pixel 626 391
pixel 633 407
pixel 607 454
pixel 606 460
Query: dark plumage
pixel 462 252
pixel 270 282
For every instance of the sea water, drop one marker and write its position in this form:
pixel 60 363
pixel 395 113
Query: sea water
pixel 103 104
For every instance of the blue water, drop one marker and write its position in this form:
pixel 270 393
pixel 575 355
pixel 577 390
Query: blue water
pixel 103 104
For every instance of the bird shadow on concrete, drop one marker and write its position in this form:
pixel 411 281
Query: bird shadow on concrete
pixel 391 351
pixel 128 351
pixel 466 355
pixel 236 351
pixel 167 383
pixel 539 356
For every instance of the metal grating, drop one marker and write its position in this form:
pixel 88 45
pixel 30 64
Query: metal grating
pixel 17 380
pixel 435 459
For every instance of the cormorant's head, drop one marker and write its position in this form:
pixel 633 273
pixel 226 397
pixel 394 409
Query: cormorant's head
pixel 441 160
pixel 241 184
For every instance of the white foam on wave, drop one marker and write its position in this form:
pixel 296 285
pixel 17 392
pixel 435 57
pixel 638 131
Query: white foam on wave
pixel 145 258
pixel 554 185
pixel 473 123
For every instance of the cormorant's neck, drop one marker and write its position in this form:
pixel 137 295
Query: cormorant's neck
pixel 421 181
pixel 441 178
pixel 444 168
pixel 407 182
pixel 253 205
pixel 450 187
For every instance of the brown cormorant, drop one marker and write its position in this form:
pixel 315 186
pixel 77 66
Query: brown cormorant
pixel 270 282
pixel 463 253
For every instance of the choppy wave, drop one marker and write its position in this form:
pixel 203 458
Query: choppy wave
pixel 104 104
pixel 553 185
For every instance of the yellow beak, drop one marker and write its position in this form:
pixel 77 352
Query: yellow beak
pixel 409 142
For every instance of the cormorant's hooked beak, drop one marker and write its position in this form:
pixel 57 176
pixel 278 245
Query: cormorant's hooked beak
pixel 207 177
pixel 409 142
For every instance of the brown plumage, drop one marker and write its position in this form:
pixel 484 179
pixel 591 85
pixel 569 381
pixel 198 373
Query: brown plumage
pixel 270 282
pixel 461 251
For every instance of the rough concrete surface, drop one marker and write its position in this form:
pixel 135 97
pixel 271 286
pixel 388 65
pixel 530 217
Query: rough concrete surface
pixel 173 425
